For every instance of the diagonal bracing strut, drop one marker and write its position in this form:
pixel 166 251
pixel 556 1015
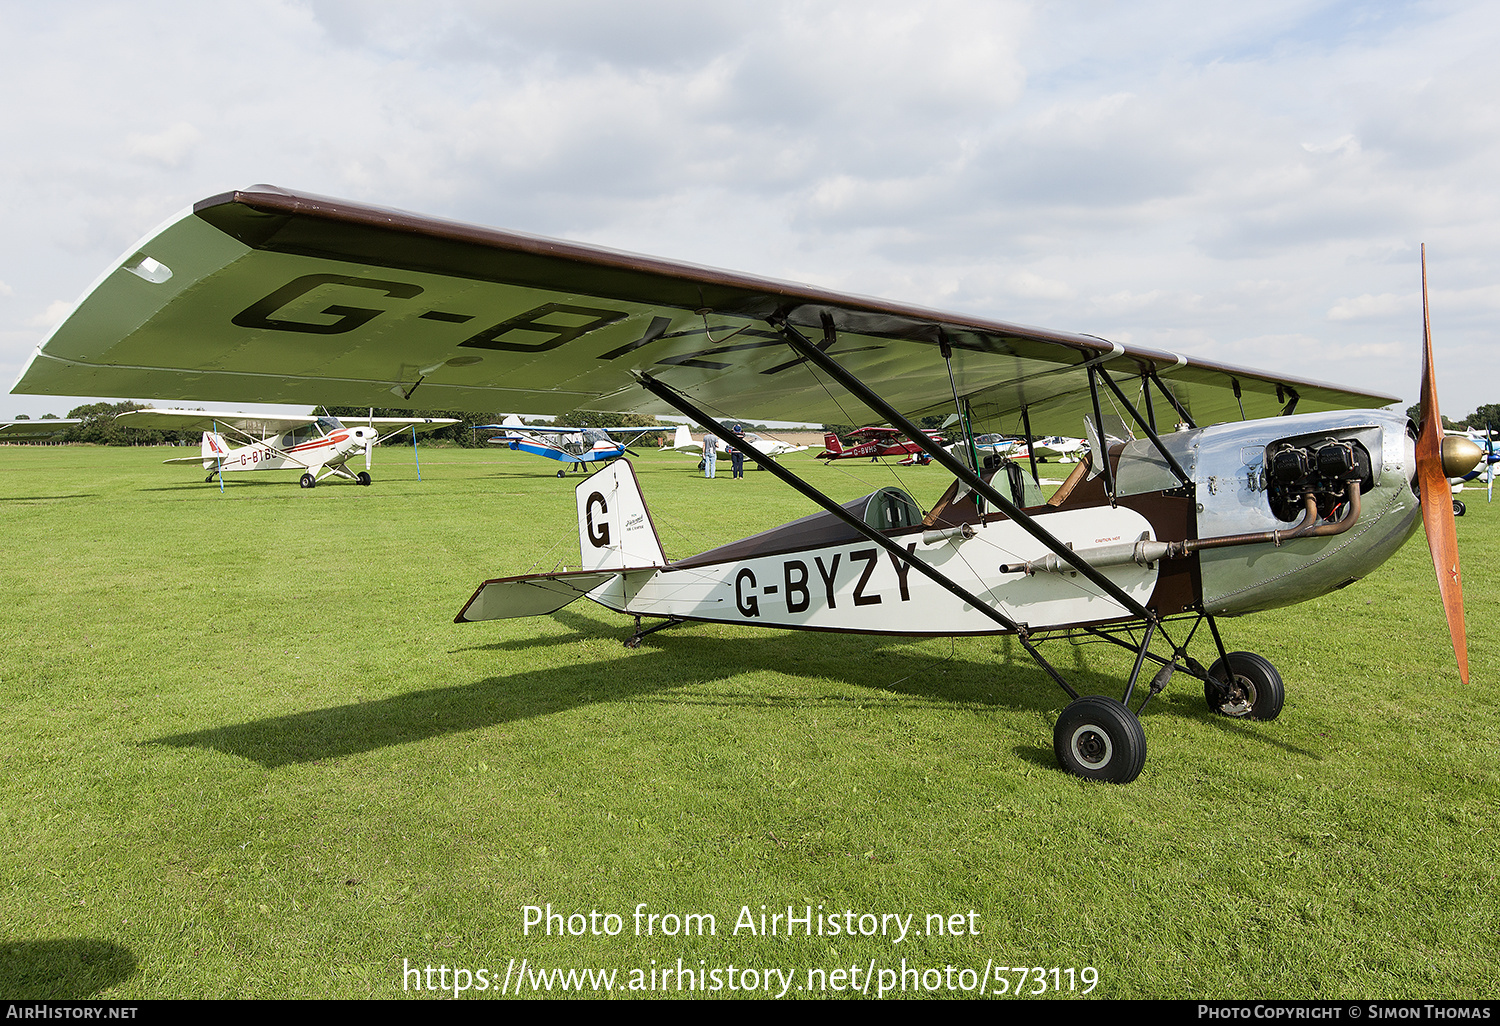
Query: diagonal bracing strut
pixel 688 408
pixel 864 394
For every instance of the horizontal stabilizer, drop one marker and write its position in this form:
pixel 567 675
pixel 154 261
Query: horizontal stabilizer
pixel 531 595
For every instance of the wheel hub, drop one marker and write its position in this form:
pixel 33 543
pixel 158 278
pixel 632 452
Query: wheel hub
pixel 1239 697
pixel 1092 746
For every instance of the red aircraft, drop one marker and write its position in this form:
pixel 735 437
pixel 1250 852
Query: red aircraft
pixel 875 442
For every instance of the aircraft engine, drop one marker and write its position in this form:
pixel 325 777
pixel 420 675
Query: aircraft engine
pixel 1292 507
pixel 1323 470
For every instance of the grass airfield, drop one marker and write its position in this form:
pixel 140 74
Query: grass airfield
pixel 245 752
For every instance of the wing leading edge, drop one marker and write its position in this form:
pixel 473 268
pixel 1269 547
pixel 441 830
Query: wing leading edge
pixel 264 295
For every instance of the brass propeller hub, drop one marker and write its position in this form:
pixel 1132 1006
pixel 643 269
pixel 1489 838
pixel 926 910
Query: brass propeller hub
pixel 1460 455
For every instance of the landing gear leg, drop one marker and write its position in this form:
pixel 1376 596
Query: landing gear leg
pixel 634 641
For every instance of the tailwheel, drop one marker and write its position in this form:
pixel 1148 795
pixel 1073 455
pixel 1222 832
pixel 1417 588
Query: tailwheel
pixel 363 478
pixel 209 479
pixel 308 481
pixel 1247 688
pixel 1097 738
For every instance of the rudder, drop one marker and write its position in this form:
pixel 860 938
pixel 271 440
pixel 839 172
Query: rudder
pixel 615 531
pixel 214 449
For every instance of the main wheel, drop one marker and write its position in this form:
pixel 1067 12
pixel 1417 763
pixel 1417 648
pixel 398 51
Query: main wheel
pixel 559 473
pixel 1249 688
pixel 1459 509
pixel 364 477
pixel 1097 738
pixel 308 481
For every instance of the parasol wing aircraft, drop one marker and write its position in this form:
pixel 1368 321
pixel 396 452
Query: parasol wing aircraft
pixel 1275 489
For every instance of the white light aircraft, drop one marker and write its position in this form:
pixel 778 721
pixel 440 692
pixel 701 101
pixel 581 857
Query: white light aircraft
pixel 682 441
pixel 1275 489
pixel 320 447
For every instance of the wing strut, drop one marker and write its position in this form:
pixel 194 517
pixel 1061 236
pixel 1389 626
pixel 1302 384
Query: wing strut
pixel 1187 418
pixel 891 416
pixel 1149 428
pixel 689 409
pixel 1030 447
pixel 1103 453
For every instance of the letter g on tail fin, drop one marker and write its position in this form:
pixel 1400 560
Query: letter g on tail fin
pixel 614 528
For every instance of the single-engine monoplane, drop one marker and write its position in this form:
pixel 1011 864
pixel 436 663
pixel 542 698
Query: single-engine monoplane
pixel 318 446
pixel 682 441
pixel 876 443
pixel 577 447
pixel 1269 489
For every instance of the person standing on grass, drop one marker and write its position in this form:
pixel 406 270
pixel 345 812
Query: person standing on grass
pixel 737 458
pixel 710 454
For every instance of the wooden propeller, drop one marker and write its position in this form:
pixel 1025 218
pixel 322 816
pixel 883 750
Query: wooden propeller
pixel 1437 497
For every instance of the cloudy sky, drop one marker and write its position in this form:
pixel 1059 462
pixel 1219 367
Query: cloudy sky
pixel 1247 183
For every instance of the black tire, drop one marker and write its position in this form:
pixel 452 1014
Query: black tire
pixel 308 481
pixel 1459 509
pixel 364 477
pixel 1097 738
pixel 1253 692
pixel 559 473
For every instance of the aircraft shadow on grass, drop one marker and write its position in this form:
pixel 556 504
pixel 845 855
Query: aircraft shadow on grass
pixel 45 498
pixel 673 671
pixel 65 969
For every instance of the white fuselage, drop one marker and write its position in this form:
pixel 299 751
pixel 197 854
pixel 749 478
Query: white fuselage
pixel 295 450
pixel 856 586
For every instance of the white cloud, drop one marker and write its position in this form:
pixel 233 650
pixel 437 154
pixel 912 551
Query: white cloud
pixel 52 316
pixel 169 147
pixel 1368 306
pixel 1203 178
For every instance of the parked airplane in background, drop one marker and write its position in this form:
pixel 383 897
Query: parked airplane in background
pixel 682 441
pixel 1055 448
pixel 318 446
pixel 1486 469
pixel 30 430
pixel 578 447
pixel 1275 490
pixel 875 443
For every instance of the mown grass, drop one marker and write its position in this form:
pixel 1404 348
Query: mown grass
pixel 244 752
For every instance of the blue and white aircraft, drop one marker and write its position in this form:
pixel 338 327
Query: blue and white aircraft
pixel 578 447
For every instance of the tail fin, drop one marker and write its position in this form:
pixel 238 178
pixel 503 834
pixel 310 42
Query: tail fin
pixel 615 531
pixel 832 444
pixel 683 439
pixel 214 449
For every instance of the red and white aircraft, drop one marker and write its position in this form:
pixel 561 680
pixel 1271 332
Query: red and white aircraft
pixel 320 447
pixel 875 442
